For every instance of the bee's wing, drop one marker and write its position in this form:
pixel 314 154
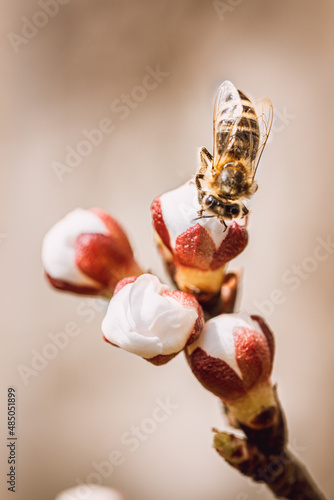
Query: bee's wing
pixel 264 112
pixel 227 112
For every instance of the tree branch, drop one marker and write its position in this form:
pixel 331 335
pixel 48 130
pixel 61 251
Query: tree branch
pixel 262 455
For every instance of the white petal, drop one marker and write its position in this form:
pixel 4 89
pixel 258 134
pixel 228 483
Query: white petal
pixel 143 320
pixel 89 492
pixel 58 254
pixel 146 304
pixel 217 338
pixel 180 209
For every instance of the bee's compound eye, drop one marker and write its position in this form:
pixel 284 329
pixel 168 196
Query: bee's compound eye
pixel 235 210
pixel 210 201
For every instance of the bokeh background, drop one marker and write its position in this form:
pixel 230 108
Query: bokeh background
pixel 61 80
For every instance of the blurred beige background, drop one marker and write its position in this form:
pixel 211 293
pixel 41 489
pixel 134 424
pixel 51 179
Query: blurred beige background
pixel 61 81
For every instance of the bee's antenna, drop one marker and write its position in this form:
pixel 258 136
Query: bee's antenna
pixel 204 217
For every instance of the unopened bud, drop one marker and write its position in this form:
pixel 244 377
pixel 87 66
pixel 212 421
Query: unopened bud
pixel 195 249
pixel 87 252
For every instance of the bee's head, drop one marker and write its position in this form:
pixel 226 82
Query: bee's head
pixel 222 209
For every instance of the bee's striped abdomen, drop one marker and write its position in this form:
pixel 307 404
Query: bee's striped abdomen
pixel 247 136
pixel 238 131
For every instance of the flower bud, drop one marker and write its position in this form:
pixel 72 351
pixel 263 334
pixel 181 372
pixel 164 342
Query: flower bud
pixel 233 358
pixel 87 252
pixel 195 249
pixel 147 319
pixel 89 492
pixel 232 448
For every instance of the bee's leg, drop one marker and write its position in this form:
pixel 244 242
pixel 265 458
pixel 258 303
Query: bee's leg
pixel 222 221
pixel 200 192
pixel 205 160
pixel 245 211
pixel 200 211
pixel 198 179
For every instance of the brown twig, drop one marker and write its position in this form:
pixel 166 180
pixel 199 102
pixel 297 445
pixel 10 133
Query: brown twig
pixel 281 472
pixel 269 431
pixel 262 455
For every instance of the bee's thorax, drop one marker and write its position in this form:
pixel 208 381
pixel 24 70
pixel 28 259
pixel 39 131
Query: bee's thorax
pixel 233 181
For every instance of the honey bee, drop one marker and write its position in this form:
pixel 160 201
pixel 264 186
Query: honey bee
pixel 240 132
